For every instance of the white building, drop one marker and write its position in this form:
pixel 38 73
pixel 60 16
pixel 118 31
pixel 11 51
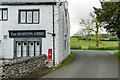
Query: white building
pixel 34 27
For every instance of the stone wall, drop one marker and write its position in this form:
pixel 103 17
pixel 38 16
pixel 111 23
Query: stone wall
pixel 20 68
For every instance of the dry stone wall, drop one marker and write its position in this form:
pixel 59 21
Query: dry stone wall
pixel 19 68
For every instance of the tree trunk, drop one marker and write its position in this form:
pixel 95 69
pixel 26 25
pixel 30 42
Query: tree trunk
pixel 96 40
pixel 87 38
pixel 97 30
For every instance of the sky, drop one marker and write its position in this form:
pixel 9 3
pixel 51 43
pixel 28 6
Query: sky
pixel 80 9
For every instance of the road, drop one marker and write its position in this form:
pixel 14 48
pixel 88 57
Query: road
pixel 88 64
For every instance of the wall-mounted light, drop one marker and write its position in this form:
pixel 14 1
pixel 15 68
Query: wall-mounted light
pixel 51 34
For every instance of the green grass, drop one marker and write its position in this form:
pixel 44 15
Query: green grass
pixel 66 61
pixel 39 73
pixel 102 49
pixel 84 44
pixel 117 55
pixel 94 48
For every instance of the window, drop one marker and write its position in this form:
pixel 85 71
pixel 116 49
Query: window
pixel 27 49
pixel 29 16
pixel 3 14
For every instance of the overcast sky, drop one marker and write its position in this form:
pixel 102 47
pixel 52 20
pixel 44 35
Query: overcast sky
pixel 80 9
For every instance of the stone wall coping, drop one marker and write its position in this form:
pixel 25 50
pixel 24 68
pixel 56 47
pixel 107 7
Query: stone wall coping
pixel 22 60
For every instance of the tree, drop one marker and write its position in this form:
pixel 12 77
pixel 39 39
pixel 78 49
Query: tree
pixel 87 28
pixel 96 29
pixel 109 14
pixel 92 25
pixel 79 35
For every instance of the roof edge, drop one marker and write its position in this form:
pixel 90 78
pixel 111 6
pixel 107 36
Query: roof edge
pixel 28 3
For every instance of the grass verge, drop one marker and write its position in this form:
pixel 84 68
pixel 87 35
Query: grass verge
pixel 102 48
pixel 117 55
pixel 94 48
pixel 66 61
pixel 40 73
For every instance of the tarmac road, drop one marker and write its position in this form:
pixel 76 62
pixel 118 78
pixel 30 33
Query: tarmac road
pixel 88 64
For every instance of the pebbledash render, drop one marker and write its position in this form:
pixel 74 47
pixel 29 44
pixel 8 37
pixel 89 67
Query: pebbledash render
pixel 34 27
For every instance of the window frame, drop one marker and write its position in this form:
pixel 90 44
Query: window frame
pixel 2 9
pixel 28 42
pixel 28 10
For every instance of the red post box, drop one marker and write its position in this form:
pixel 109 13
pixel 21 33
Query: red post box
pixel 49 53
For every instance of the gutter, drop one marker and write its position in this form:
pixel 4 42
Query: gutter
pixel 27 3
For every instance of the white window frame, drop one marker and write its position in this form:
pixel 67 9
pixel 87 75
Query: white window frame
pixel 26 16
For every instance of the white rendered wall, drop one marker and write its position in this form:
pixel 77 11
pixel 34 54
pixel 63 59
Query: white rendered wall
pixel 0 40
pixel 46 23
pixel 0 50
pixel 12 24
pixel 61 31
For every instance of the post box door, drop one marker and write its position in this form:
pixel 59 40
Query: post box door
pixel 49 53
pixel 37 48
pixel 31 49
pixel 18 49
pixel 24 49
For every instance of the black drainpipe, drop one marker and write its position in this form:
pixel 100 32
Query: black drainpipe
pixel 53 37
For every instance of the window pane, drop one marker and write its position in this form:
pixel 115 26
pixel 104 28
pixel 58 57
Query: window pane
pixel 4 14
pixel 23 17
pixel 29 17
pixel 18 49
pixel 35 17
pixel 24 49
pixel 37 48
pixel 31 48
pixel 0 14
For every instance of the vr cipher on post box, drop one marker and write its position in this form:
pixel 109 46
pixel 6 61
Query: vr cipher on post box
pixel 49 53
